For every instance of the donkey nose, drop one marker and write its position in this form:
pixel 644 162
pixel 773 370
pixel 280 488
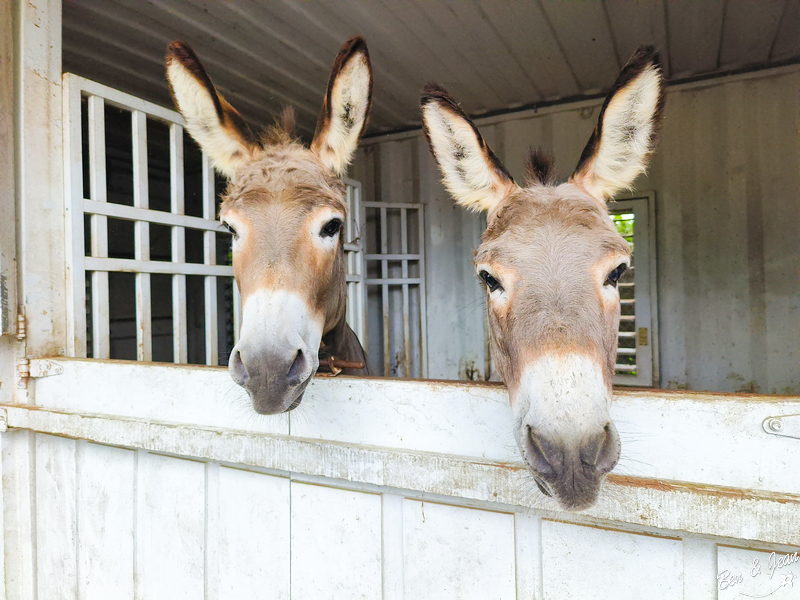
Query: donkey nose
pixel 600 450
pixel 543 456
pixel 298 369
pixel 237 369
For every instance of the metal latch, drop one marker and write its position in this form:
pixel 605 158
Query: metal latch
pixel 45 368
pixel 785 425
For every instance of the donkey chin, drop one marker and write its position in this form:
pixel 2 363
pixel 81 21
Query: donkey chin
pixel 565 433
pixel 277 354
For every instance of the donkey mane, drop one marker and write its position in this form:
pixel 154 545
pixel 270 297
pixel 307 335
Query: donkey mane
pixel 540 168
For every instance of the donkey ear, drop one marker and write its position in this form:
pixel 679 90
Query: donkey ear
pixel 626 130
pixel 345 108
pixel 473 174
pixel 216 126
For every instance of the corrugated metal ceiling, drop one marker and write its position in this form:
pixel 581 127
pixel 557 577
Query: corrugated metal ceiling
pixel 493 55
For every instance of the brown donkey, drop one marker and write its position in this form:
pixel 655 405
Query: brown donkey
pixel 550 259
pixel 285 206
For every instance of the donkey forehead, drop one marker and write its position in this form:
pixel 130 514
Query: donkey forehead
pixel 555 222
pixel 287 174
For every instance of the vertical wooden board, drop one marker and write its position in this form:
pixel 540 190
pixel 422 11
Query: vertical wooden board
pixel 528 546
pixel 170 528
pixel 743 573
pixel 457 553
pixel 105 522
pixel 336 543
pixel 632 566
pixel 56 524
pixel 699 568
pixel 253 535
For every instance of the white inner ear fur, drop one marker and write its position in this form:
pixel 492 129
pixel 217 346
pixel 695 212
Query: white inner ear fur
pixel 468 174
pixel 625 142
pixel 195 104
pixel 349 104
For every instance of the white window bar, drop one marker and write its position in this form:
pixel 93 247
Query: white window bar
pixel 405 281
pixel 179 333
pixel 99 264
pixel 356 292
pixel 141 200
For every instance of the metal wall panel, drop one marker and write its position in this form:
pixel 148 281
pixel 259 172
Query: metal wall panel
pixel 726 177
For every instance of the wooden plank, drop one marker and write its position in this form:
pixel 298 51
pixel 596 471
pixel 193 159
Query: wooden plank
pixel 56 518
pixel 528 558
pixel 336 543
pixel 101 336
pixel 73 206
pixel 630 567
pixel 141 198
pixel 253 552
pixel 725 430
pixel 392 547
pixel 105 499
pixel 473 551
pixel 699 568
pixel 744 514
pixel 170 528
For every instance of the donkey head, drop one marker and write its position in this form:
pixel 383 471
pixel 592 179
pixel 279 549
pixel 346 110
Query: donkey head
pixel 285 206
pixel 550 259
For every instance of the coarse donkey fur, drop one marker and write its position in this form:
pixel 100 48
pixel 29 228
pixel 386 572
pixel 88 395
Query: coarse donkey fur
pixel 550 259
pixel 285 207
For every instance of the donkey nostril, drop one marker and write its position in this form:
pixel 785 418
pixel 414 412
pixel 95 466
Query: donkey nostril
pixel 237 368
pixel 536 450
pixel 296 370
pixel 609 451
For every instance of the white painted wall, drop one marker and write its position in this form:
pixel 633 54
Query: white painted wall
pixel 726 177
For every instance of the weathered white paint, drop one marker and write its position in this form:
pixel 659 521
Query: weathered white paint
pixel 441 561
pixel 586 562
pixel 725 178
pixel 336 543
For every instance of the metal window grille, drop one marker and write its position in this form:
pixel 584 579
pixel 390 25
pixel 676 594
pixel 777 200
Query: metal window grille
pixel 178 261
pixel 395 278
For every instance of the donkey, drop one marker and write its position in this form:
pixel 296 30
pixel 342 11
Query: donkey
pixel 285 206
pixel 550 259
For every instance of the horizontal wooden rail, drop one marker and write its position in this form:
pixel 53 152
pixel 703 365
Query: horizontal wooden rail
pixel 159 217
pixel 707 510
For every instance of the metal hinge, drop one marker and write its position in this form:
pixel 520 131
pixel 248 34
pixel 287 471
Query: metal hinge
pixel 21 323
pixel 785 425
pixel 44 368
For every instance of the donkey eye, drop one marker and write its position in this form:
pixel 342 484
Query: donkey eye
pixel 332 228
pixel 614 276
pixel 490 281
pixel 231 229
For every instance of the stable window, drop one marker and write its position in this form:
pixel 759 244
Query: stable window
pixel 637 350
pixel 149 266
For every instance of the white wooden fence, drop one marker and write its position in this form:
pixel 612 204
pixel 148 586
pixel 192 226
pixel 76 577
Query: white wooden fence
pixel 149 481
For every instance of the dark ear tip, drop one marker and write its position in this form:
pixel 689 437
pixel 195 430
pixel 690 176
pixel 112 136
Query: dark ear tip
pixel 181 51
pixel 355 45
pixel 433 92
pixel 646 55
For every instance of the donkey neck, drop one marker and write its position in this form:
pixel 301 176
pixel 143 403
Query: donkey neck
pixel 343 343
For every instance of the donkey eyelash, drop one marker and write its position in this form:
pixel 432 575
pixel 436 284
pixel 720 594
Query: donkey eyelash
pixel 614 276
pixel 331 228
pixel 490 281
pixel 230 229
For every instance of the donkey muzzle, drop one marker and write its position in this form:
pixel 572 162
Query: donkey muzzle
pixel 275 379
